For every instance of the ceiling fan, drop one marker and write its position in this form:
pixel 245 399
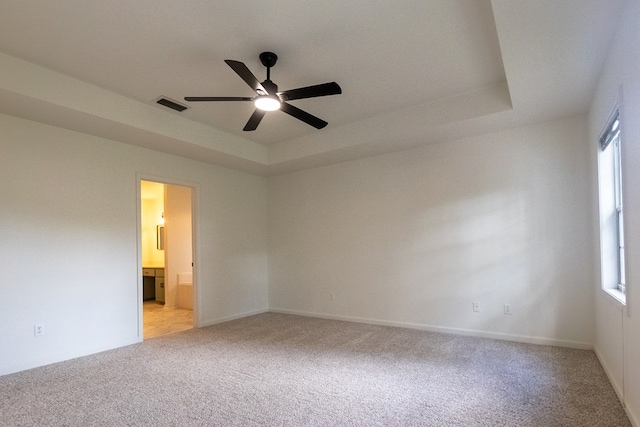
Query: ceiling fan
pixel 269 99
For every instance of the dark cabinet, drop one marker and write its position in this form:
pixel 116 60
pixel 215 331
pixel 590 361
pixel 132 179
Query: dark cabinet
pixel 153 284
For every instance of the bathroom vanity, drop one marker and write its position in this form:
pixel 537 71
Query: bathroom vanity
pixel 153 284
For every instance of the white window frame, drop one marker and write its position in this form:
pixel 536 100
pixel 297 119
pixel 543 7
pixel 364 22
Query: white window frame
pixel 611 209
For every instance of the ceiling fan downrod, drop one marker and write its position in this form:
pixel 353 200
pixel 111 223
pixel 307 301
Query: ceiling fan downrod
pixel 268 59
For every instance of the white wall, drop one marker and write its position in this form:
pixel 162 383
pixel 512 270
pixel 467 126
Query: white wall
pixel 69 244
pixel 413 238
pixel 618 327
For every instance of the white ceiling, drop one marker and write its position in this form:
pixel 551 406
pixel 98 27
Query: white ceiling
pixel 412 72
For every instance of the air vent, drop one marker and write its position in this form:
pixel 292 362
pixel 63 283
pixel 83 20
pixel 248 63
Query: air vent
pixel 171 104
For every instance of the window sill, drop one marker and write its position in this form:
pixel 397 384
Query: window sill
pixel 617 295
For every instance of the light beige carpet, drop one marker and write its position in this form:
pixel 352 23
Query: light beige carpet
pixel 282 370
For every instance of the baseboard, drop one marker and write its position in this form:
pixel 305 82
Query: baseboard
pixel 445 330
pixel 635 420
pixel 616 386
pixel 230 318
pixel 44 359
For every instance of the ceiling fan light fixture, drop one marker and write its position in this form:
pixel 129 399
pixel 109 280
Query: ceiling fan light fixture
pixel 268 98
pixel 267 103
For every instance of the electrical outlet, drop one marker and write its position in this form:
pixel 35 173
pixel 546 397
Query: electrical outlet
pixel 507 309
pixel 476 306
pixel 38 330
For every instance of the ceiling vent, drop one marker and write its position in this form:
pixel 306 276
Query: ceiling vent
pixel 169 103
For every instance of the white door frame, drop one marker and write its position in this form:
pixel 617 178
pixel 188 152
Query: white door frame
pixel 195 247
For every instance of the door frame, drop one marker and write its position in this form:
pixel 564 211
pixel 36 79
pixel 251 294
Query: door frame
pixel 195 247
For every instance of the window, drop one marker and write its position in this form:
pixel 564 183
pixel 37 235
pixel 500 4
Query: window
pixel 611 209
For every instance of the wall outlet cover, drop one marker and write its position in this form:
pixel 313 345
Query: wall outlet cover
pixel 38 330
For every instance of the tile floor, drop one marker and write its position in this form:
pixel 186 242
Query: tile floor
pixel 160 320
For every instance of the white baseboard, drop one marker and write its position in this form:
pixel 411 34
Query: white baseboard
pixel 616 386
pixel 230 318
pixel 635 420
pixel 446 330
pixel 48 358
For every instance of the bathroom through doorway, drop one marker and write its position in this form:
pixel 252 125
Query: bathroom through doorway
pixel 166 236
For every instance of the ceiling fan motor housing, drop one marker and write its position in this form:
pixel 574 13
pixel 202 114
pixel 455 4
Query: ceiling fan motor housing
pixel 268 59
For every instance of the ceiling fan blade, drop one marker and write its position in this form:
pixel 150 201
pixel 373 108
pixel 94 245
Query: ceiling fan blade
pixel 311 91
pixel 246 75
pixel 254 120
pixel 216 98
pixel 303 115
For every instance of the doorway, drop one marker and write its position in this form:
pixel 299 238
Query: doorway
pixel 166 236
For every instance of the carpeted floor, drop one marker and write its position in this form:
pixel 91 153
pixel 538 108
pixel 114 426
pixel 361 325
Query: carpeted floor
pixel 281 370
